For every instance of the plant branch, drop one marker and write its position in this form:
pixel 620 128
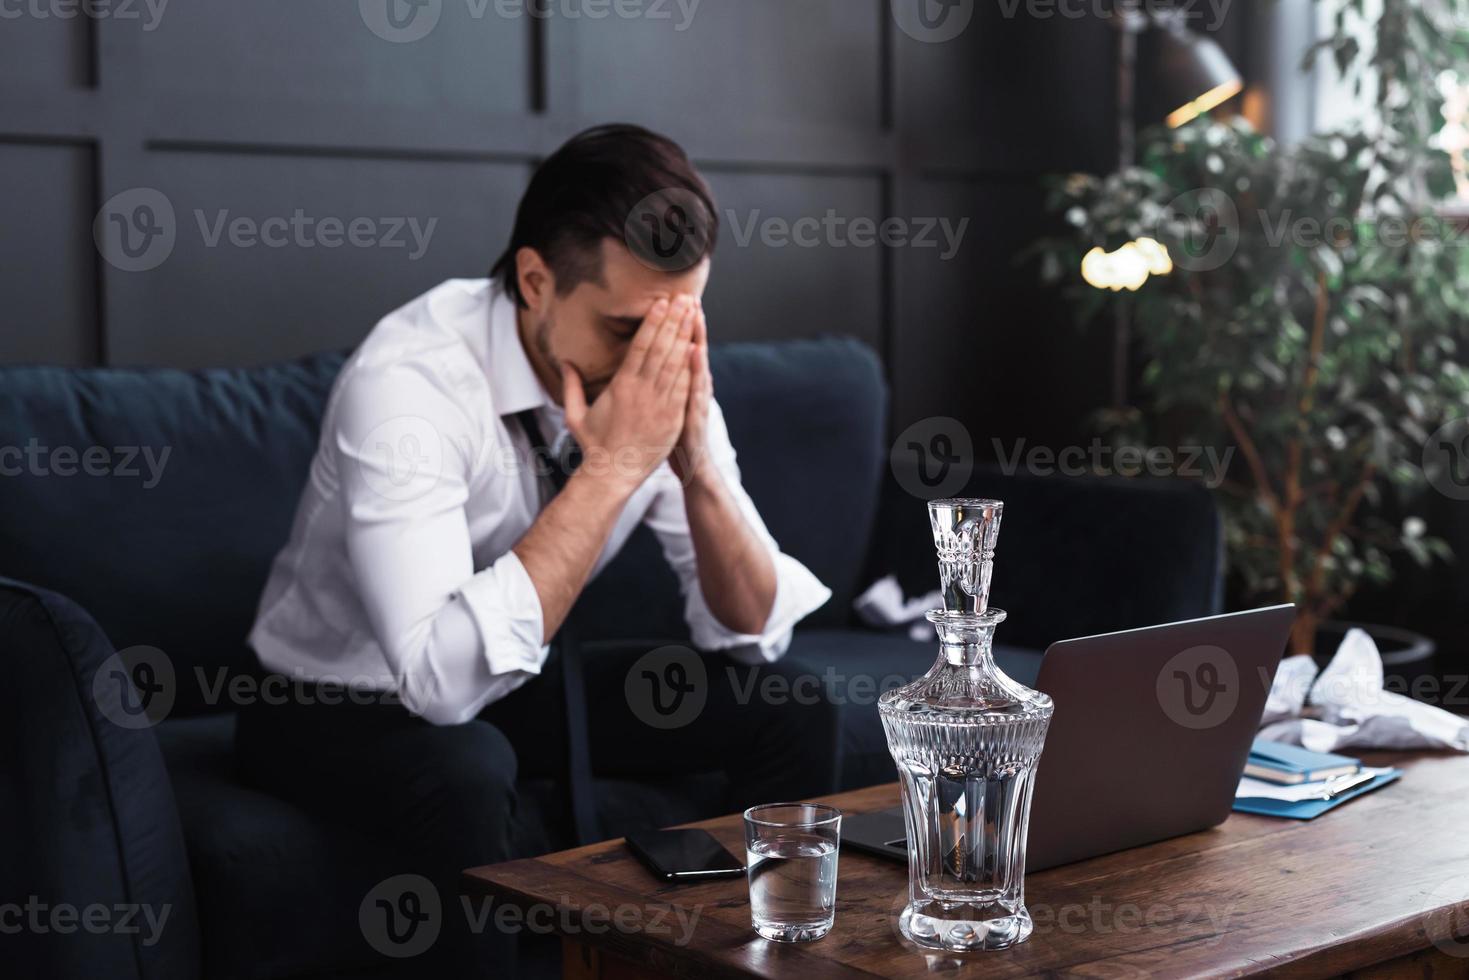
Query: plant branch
pixel 1336 529
pixel 1247 446
pixel 1286 516
pixel 1309 380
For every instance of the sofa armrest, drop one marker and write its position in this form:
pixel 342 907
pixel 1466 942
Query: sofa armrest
pixel 1077 556
pixel 94 854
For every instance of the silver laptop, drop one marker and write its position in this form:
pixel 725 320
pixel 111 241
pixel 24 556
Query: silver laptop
pixel 1151 733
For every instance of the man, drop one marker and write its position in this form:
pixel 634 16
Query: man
pixel 429 562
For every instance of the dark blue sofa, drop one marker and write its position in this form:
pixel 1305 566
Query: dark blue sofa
pixel 94 559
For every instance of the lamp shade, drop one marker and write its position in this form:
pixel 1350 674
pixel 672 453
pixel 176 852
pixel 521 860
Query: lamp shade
pixel 1191 74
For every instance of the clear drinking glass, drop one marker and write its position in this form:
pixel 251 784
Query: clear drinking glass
pixel 791 857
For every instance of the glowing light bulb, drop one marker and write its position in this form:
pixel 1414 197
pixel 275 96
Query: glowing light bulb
pixel 1160 263
pixel 1096 269
pixel 1130 268
pixel 1127 268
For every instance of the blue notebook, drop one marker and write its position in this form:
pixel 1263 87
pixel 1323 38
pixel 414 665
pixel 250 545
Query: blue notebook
pixel 1309 809
pixel 1277 762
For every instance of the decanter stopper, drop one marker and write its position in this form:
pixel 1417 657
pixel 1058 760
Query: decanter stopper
pixel 964 534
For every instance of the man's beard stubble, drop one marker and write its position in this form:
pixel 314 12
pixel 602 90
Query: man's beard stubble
pixel 590 388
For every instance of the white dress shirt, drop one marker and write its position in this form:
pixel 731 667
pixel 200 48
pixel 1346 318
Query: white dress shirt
pixel 398 575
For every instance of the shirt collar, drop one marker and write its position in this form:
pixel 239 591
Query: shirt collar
pixel 513 382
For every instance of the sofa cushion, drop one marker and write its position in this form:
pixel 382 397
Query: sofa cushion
pixel 854 667
pixel 156 499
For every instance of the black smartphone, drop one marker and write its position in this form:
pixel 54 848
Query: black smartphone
pixel 684 855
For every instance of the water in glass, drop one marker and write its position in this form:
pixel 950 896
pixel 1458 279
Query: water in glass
pixel 791 857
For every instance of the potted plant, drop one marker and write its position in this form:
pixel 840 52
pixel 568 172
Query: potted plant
pixel 1313 318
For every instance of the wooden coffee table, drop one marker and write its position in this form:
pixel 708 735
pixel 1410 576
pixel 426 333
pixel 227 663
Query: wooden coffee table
pixel 1376 888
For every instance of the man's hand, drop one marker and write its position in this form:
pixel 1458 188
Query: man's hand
pixel 690 456
pixel 625 436
pixel 635 423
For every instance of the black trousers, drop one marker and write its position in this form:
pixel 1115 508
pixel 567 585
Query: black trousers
pixel 445 796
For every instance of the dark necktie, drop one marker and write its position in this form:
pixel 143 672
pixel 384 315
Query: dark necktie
pixel 558 466
pixel 573 682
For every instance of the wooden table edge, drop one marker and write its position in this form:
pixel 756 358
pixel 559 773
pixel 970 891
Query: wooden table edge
pixel 629 945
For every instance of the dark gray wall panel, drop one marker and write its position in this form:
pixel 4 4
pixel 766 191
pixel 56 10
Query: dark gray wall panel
pixel 43 50
pixel 767 286
pixel 327 52
pixel 229 303
pixel 980 339
pixel 48 267
pixel 741 62
pixel 1014 94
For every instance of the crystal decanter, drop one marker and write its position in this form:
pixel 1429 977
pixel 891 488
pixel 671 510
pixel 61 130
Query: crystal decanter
pixel 966 739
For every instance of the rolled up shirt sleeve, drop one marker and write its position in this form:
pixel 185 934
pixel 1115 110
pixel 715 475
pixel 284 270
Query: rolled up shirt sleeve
pixel 507 614
pixel 454 639
pixel 798 593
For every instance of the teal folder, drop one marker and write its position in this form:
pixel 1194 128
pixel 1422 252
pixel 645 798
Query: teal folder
pixel 1308 809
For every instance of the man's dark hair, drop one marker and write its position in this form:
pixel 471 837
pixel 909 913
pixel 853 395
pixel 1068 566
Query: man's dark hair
pixel 621 182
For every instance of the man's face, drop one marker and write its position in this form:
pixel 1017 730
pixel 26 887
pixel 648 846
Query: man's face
pixel 592 327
